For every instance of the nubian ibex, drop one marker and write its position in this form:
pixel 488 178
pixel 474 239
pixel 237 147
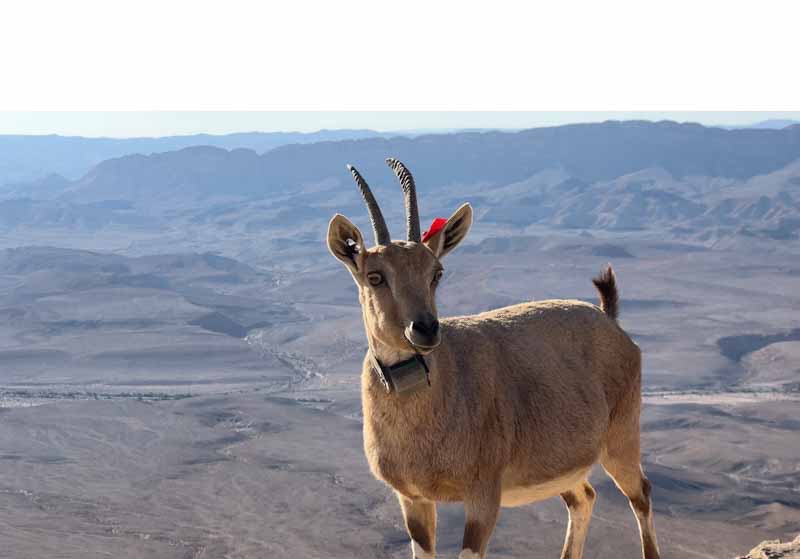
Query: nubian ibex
pixel 502 408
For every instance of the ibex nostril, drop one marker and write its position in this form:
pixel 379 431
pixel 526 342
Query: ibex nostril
pixel 426 327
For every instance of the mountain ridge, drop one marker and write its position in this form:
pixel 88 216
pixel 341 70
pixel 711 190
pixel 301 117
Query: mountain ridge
pixel 29 157
pixel 692 181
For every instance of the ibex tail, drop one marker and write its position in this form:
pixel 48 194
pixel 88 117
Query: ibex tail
pixel 606 284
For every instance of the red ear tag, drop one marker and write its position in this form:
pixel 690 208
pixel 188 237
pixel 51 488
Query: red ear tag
pixel 436 226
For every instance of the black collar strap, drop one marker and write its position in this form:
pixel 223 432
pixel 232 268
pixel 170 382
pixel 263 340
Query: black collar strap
pixel 404 377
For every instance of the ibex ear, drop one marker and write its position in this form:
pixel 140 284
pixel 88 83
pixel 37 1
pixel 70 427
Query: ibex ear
pixel 345 242
pixel 452 233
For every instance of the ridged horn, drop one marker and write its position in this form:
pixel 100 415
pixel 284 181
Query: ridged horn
pixel 382 236
pixel 410 193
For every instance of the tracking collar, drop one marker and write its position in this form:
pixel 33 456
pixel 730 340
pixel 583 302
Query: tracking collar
pixel 405 377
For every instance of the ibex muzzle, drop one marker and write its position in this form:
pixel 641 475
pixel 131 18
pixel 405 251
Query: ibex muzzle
pixel 423 332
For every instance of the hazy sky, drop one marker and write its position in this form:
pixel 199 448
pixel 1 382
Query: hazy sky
pixel 126 124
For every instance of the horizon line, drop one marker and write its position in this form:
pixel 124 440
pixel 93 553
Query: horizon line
pixel 401 131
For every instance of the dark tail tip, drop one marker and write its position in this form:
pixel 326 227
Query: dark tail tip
pixel 606 284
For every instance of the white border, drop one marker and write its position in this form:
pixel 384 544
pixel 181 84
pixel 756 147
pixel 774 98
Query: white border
pixel 370 55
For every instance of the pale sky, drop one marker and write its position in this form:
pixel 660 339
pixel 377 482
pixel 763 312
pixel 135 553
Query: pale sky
pixel 167 123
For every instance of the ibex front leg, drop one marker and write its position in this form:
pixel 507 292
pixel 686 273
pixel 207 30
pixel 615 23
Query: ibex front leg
pixel 579 501
pixel 481 507
pixel 420 519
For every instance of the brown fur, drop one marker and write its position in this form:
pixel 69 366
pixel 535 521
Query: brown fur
pixel 523 401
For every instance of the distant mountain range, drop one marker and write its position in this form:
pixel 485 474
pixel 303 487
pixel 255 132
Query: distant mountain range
pixel 588 152
pixel 25 158
pixel 691 180
pixel 772 123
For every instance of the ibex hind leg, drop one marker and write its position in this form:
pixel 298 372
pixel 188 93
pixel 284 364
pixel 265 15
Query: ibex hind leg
pixel 632 482
pixel 621 460
pixel 580 502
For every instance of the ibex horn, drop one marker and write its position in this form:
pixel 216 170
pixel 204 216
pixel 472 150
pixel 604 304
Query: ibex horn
pixel 382 236
pixel 410 192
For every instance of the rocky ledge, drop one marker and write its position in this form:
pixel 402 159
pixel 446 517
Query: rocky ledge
pixel 774 549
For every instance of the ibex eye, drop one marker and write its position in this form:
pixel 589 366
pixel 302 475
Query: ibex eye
pixel 437 276
pixel 375 278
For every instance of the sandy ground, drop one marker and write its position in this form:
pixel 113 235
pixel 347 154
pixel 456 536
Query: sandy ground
pixel 266 476
pixel 138 422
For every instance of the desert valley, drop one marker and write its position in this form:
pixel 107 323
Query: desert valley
pixel 180 354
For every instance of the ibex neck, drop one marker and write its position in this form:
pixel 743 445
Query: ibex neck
pixel 388 356
pixel 407 373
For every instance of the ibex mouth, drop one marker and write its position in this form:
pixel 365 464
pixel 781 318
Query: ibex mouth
pixel 423 344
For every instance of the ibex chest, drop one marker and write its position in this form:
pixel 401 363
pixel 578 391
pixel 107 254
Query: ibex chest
pixel 411 455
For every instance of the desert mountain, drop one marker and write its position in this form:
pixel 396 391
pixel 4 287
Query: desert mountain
pixel 25 158
pixel 683 179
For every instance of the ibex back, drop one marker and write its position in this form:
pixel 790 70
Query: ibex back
pixel 502 408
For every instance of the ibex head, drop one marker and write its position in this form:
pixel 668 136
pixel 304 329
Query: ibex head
pixel 397 280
